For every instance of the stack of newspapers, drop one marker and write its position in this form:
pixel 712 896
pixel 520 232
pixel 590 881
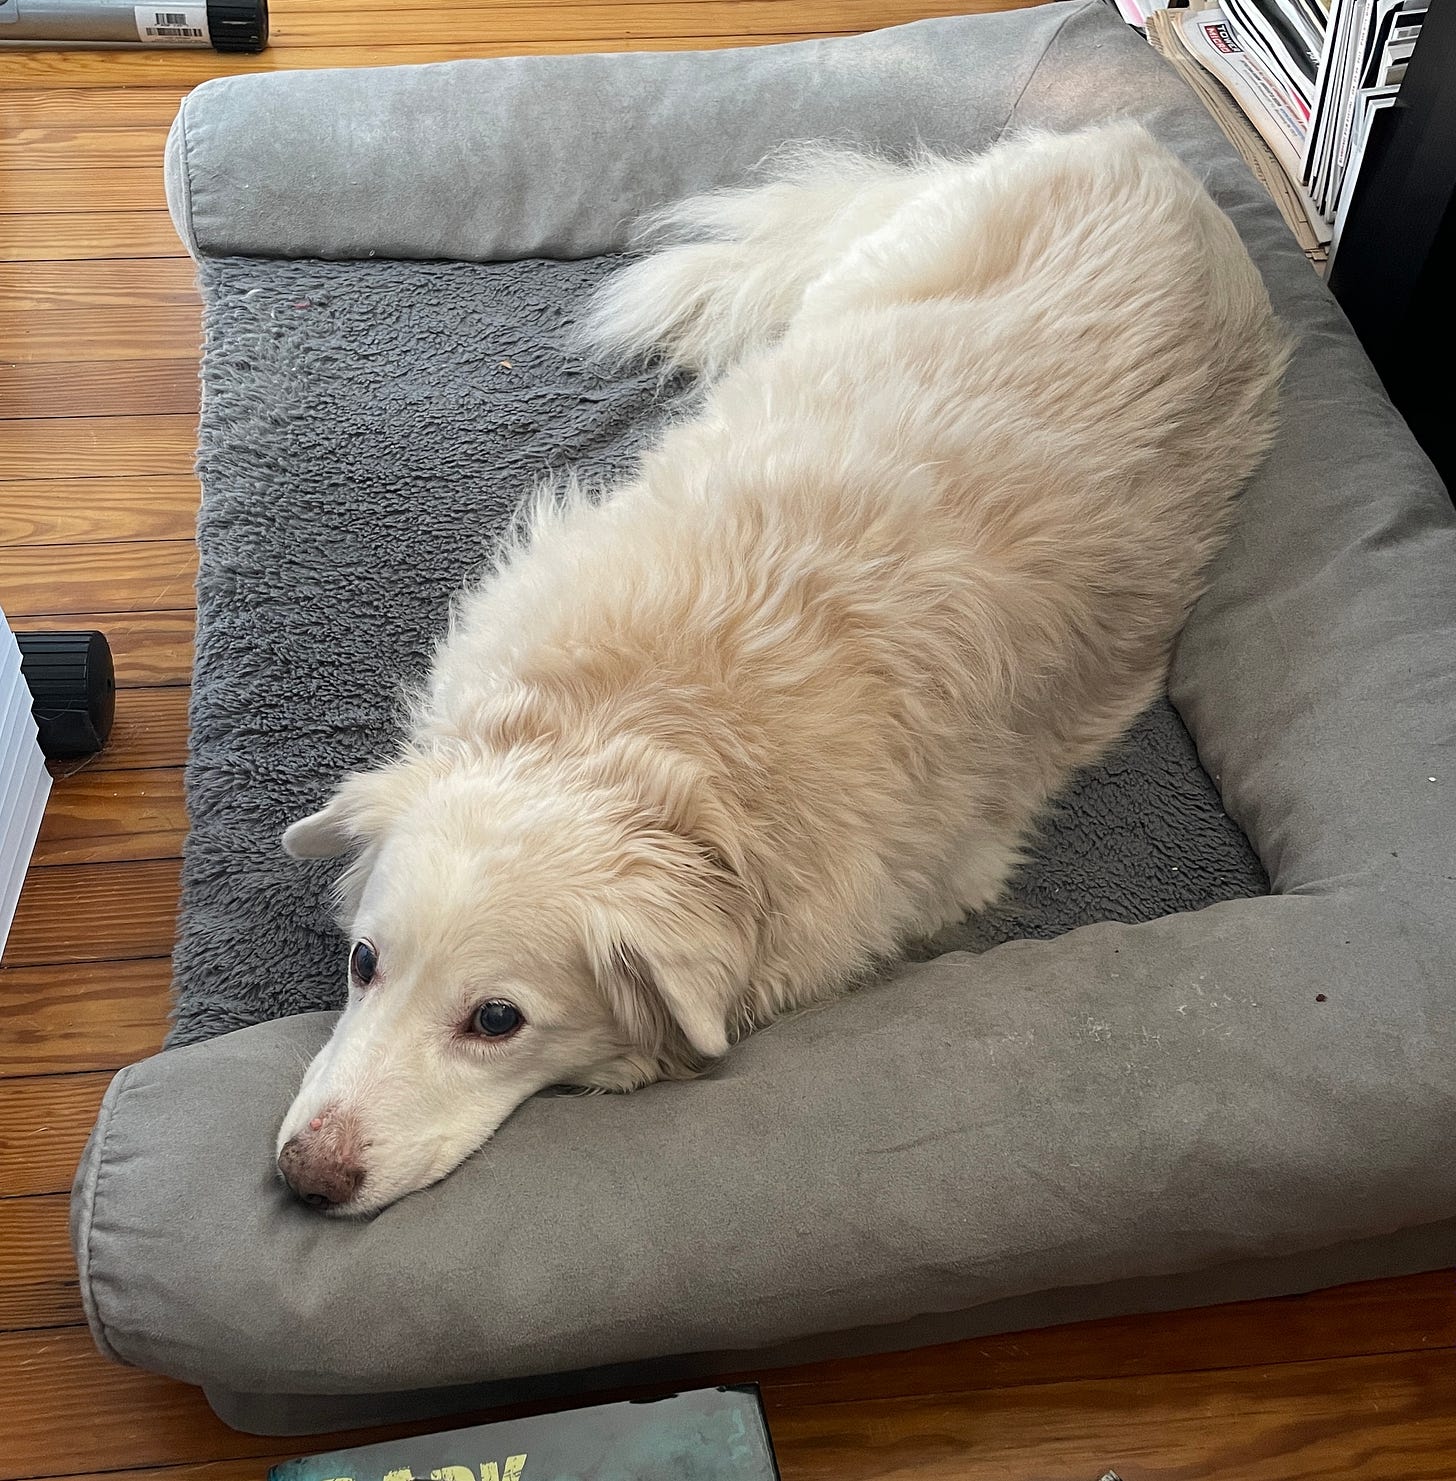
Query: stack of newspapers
pixel 24 782
pixel 1296 85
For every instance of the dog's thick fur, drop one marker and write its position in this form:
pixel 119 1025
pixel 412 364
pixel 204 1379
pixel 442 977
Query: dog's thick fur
pixel 703 748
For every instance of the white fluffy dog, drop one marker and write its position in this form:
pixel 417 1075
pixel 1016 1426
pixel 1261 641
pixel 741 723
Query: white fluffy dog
pixel 706 747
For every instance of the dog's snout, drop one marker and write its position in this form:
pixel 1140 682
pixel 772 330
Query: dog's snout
pixel 316 1172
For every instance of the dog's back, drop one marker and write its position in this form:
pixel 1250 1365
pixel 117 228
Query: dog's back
pixel 928 542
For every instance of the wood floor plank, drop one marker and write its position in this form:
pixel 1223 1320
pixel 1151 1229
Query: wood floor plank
pixel 85 447
pixel 44 1123
pixel 72 1018
pixel 51 70
pixel 1415 1313
pixel 95 913
pixel 64 511
pixel 148 648
pixel 1359 1419
pixel 448 25
pixel 104 817
pixel 67 146
pixel 138 575
pixel 99 388
pixel 85 188
pixel 66 235
pixel 131 283
pixel 244 1468
pixel 154 1422
pixel 82 389
pixel 53 1379
pixel 353 20
pixel 38 1284
pixel 43 336
pixel 92 107
pixel 150 729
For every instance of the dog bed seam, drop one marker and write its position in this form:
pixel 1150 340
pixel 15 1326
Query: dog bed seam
pixel 1047 50
pixel 86 1261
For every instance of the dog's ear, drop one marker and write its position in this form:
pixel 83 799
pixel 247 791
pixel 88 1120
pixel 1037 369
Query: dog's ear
pixel 676 1027
pixel 362 808
pixel 674 956
pixel 678 1012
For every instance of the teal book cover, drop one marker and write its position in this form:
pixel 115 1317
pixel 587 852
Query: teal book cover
pixel 710 1434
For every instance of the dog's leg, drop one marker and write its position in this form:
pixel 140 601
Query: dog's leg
pixel 702 304
pixel 974 879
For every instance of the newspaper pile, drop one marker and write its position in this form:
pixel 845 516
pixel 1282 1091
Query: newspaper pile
pixel 1296 85
pixel 1265 118
pixel 1367 46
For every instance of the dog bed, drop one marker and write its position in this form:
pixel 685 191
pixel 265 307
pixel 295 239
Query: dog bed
pixel 1202 1053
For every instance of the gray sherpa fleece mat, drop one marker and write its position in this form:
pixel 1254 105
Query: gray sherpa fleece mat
pixel 367 430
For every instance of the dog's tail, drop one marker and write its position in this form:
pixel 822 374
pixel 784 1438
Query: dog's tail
pixel 732 266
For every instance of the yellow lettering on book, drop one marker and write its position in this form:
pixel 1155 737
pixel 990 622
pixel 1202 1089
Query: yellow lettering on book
pixel 453 1473
pixel 515 1464
pixel 403 1475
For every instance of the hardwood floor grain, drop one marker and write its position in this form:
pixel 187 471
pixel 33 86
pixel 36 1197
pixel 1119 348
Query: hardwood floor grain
pixel 98 334
pixel 444 25
pixel 1410 1315
pixel 1358 1419
pixel 84 447
pixel 38 1284
pixel 102 817
pixel 61 236
pixel 100 110
pixel 79 1016
pixel 53 511
pixel 150 730
pixel 103 188
pixel 71 147
pixel 149 648
pixel 132 283
pixel 131 576
pixel 57 1382
pixel 44 1122
pixel 120 388
pixel 43 69
pixel 94 913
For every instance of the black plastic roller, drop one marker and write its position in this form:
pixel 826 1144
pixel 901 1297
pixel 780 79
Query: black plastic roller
pixel 72 689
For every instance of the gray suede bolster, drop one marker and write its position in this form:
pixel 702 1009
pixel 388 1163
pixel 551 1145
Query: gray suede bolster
pixel 562 154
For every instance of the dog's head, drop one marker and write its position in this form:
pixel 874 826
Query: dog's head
pixel 514 925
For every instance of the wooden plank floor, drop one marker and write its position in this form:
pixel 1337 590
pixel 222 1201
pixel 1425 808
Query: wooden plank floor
pixel 98 396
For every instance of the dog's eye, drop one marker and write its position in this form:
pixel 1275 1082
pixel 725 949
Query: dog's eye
pixel 363 962
pixel 496 1019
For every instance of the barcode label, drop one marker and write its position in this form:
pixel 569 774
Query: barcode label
pixel 184 26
